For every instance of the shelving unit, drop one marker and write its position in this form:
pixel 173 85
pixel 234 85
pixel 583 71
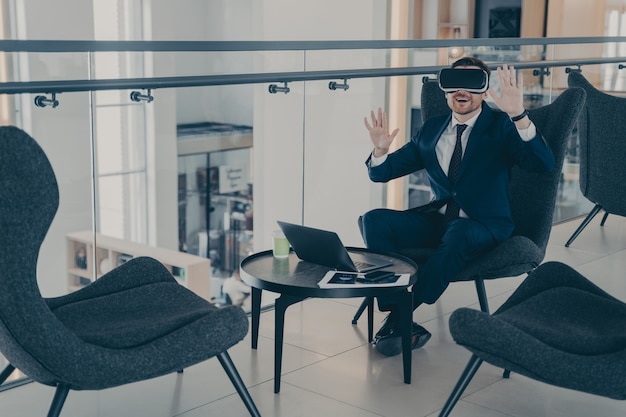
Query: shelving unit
pixel 215 193
pixel 191 271
pixel 455 21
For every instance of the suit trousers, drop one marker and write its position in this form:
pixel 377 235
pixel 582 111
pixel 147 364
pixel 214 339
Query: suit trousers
pixel 455 244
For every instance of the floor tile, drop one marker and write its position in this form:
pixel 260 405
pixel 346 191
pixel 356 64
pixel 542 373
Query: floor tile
pixel 330 369
pixel 291 402
pixel 522 397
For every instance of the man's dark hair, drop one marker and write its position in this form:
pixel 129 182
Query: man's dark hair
pixel 470 61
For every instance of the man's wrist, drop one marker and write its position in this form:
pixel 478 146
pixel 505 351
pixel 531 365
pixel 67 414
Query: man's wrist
pixel 519 116
pixel 378 152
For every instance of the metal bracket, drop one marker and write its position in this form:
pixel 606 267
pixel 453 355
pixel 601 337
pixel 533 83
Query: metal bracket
pixel 542 71
pixel 43 101
pixel 621 66
pixel 273 89
pixel 334 85
pixel 136 96
pixel 568 69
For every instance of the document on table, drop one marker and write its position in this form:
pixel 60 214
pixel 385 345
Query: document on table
pixel 343 279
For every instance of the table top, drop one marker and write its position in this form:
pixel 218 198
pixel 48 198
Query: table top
pixel 295 277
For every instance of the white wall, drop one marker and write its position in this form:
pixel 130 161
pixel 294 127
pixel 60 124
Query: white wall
pixel 311 123
pixel 326 125
pixel 199 20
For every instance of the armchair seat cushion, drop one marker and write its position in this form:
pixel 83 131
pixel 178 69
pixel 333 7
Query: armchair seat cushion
pixel 557 328
pixel 515 256
pixel 564 319
pixel 137 316
pixel 571 320
pixel 139 303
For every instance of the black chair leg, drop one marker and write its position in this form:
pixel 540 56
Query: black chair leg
pixel 604 218
pixel 59 399
pixel 506 374
pixel 6 372
pixel 232 373
pixel 482 295
pixel 584 224
pixel 467 375
pixel 362 307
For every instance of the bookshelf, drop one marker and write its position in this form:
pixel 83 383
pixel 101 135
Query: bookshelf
pixel 191 271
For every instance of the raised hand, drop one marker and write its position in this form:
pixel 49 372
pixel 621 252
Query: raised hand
pixel 379 132
pixel 511 98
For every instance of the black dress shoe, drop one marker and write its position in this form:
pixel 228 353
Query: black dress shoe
pixel 388 327
pixel 391 345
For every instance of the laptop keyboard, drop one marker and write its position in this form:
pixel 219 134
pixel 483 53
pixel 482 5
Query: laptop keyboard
pixel 360 265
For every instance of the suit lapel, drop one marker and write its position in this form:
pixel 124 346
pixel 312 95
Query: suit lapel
pixel 438 172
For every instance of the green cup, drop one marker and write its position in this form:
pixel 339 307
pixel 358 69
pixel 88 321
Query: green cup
pixel 281 245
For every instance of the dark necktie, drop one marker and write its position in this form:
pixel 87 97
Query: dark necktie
pixel 452 210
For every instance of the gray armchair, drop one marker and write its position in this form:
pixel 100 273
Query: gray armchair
pixel 557 328
pixel 132 324
pixel 533 198
pixel 602 149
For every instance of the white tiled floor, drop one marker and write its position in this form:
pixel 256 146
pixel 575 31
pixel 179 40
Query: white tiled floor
pixel 330 370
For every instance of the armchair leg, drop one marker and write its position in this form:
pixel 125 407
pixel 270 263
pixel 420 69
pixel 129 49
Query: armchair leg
pixel 606 214
pixel 232 373
pixel 482 294
pixel 6 372
pixel 467 375
pixel 584 224
pixel 59 399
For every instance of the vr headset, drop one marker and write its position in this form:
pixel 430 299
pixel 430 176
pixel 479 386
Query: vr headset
pixel 472 80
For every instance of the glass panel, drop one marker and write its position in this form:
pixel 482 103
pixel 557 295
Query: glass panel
pixel 336 187
pixel 229 193
pixel 216 208
pixel 207 171
pixel 349 59
pixel 41 66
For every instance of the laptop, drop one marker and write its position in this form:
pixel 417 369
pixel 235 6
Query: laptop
pixel 325 248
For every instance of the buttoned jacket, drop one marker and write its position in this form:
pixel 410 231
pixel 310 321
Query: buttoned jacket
pixel 482 186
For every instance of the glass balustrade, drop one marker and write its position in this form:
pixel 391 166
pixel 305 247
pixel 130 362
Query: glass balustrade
pixel 197 173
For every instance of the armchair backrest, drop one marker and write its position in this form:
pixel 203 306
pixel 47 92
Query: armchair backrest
pixel 533 195
pixel 602 135
pixel 433 100
pixel 29 198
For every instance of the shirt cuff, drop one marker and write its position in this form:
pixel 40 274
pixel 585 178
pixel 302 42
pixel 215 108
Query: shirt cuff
pixel 526 134
pixel 377 160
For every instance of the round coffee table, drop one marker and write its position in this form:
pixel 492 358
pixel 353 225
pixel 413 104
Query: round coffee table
pixel 296 280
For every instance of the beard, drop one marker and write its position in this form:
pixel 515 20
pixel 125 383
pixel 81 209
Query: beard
pixel 464 103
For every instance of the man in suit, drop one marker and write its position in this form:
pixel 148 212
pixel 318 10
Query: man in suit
pixel 470 212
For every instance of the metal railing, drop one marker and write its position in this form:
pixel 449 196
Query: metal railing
pixel 152 83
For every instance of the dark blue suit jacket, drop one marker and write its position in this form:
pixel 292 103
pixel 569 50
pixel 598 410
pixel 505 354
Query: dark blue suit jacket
pixel 482 186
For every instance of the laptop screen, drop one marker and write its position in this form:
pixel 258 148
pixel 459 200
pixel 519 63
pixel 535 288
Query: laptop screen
pixel 317 246
pixel 321 247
